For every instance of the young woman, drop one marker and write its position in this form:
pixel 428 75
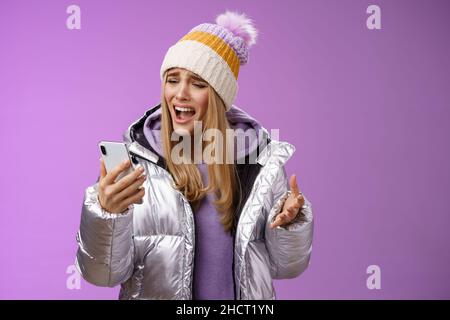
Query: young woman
pixel 208 215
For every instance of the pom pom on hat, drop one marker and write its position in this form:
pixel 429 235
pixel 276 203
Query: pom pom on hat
pixel 240 25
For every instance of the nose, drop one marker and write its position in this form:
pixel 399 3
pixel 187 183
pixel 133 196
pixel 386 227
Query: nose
pixel 183 91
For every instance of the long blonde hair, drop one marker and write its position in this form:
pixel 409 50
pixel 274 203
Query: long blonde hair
pixel 222 178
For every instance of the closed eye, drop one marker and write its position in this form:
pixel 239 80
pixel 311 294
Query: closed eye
pixel 198 85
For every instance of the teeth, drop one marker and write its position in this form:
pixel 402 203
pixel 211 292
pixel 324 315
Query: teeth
pixel 183 109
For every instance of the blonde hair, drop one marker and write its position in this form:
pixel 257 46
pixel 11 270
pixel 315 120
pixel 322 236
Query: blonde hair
pixel 223 178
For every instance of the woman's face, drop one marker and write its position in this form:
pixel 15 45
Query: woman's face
pixel 186 96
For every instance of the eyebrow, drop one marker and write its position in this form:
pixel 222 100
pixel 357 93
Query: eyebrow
pixel 177 73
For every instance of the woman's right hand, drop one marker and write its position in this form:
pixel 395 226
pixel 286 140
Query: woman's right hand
pixel 115 197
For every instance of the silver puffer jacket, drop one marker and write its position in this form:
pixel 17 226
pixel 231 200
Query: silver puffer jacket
pixel 150 248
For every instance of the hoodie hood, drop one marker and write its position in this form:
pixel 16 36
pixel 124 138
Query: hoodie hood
pixel 246 127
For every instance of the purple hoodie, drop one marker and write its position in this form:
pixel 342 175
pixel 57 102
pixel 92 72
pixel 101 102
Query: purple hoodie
pixel 213 261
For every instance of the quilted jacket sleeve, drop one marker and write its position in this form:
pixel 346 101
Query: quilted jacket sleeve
pixel 105 243
pixel 289 246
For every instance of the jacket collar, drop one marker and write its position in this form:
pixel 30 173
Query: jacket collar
pixel 139 146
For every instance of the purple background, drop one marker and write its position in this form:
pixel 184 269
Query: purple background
pixel 368 111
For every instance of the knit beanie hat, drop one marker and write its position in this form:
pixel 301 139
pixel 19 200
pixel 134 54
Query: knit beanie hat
pixel 215 52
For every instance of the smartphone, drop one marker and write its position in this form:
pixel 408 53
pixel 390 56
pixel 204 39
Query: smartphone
pixel 113 154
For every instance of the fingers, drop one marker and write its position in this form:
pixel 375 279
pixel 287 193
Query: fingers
pixel 282 218
pixel 291 206
pixel 291 214
pixel 279 220
pixel 102 169
pixel 300 201
pixel 135 198
pixel 127 180
pixel 297 202
pixel 285 217
pixel 293 185
pixel 298 196
pixel 116 196
pixel 111 176
pixel 131 189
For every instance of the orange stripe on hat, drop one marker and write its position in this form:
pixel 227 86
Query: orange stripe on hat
pixel 219 46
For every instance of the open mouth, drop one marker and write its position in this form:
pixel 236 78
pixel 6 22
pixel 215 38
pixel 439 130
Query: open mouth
pixel 184 114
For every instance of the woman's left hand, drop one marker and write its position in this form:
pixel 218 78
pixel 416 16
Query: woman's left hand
pixel 291 206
